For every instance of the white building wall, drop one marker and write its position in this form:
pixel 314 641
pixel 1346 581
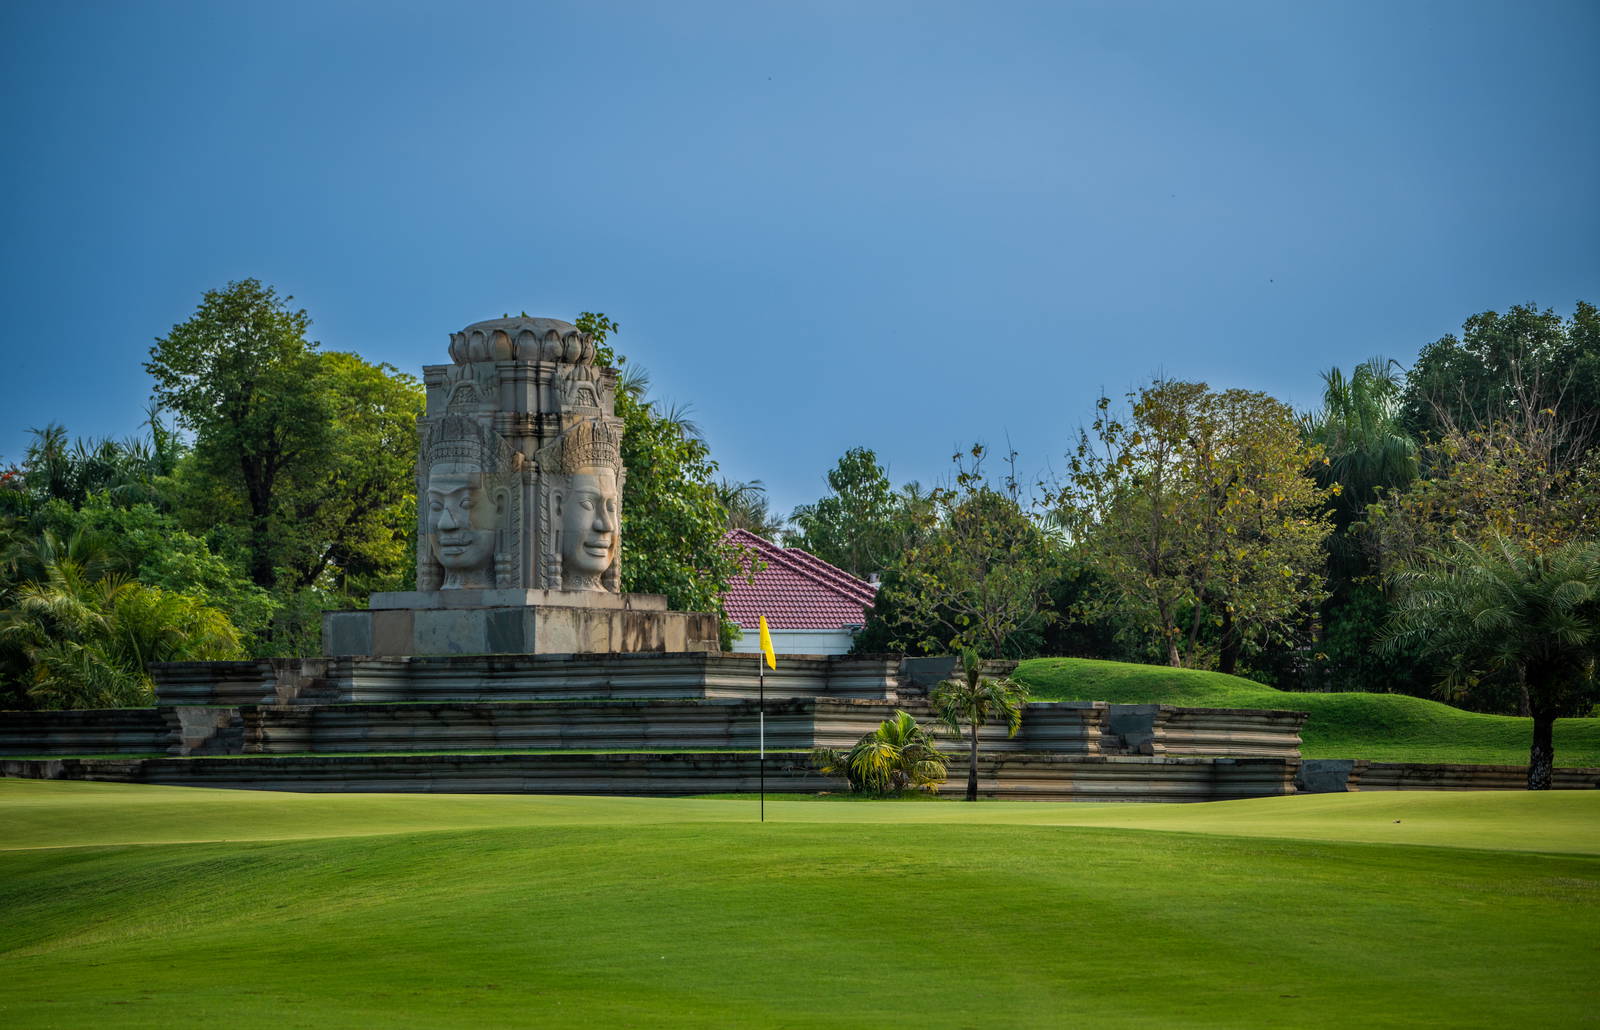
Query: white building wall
pixel 797 641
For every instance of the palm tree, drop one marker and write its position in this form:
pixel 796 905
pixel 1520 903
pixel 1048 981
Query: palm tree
pixel 748 509
pixel 1502 614
pixel 1361 432
pixel 898 755
pixel 972 699
pixel 87 641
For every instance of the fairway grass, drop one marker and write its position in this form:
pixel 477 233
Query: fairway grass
pixel 148 906
pixel 1378 727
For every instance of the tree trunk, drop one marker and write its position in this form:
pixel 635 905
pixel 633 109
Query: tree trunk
pixel 1228 660
pixel 972 767
pixel 1542 755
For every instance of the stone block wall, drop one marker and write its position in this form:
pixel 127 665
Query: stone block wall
pixel 559 725
pixel 90 731
pixel 520 677
pixel 1171 730
pixel 1036 777
pixel 1337 775
pixel 1042 777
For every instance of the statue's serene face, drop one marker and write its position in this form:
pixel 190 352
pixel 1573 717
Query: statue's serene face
pixel 461 524
pixel 589 526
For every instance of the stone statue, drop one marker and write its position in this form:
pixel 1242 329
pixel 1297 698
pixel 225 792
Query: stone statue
pixel 584 468
pixel 468 499
pixel 519 502
pixel 519 473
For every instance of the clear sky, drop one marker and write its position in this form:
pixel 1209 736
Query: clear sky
pixel 907 226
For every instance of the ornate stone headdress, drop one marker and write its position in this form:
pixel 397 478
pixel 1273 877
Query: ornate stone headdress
pixel 586 443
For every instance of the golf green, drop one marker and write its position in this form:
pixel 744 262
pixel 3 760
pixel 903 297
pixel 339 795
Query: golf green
pixel 145 906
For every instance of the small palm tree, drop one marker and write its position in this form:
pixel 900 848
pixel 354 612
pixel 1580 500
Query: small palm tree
pixel 898 755
pixel 86 642
pixel 748 509
pixel 973 699
pixel 1501 613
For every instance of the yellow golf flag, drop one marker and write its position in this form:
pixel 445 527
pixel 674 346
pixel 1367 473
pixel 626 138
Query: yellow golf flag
pixel 766 644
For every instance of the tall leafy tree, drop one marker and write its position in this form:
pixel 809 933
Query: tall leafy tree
pixel 355 518
pixel 970 700
pixel 856 526
pixel 301 459
pixel 241 375
pixel 1505 365
pixel 976 574
pixel 1517 477
pixel 1368 454
pixel 1199 510
pixel 1366 448
pixel 1505 620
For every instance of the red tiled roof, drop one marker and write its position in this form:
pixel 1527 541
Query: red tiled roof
pixel 795 590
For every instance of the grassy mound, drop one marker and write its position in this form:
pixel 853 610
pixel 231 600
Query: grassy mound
pixel 1380 727
pixel 142 906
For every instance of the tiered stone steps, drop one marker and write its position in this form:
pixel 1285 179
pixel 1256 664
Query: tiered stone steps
pixel 684 723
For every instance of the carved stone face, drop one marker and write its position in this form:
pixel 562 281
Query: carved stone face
pixel 589 528
pixel 461 524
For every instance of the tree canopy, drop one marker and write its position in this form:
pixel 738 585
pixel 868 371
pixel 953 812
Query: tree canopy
pixel 1200 510
pixel 1511 624
pixel 302 459
pixel 857 525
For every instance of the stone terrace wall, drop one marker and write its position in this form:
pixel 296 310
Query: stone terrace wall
pixel 1170 730
pixel 1038 777
pixel 644 775
pixel 125 730
pixel 559 725
pixel 520 677
pixel 1336 775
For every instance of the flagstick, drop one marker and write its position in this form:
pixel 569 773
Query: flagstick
pixel 761 706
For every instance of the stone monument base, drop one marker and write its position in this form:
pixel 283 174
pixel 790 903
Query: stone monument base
pixel 515 622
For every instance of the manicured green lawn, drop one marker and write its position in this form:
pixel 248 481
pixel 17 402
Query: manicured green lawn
pixel 1380 727
pixel 147 906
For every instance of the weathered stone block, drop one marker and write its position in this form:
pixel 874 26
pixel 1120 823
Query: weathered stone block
pixel 392 632
pixel 347 633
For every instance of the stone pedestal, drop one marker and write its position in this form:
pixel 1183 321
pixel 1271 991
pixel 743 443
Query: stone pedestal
pixel 445 622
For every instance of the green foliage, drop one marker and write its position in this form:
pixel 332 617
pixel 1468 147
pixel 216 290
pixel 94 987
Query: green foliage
pixel 1200 510
pixel 1515 478
pixel 673 514
pixel 1365 446
pixel 975 573
pixel 131 471
pixel 1347 658
pixel 87 640
pixel 241 376
pixel 1503 619
pixel 1506 365
pixel 152 546
pixel 897 756
pixel 1379 727
pixel 302 460
pixel 972 699
pixel 859 525
pixel 747 508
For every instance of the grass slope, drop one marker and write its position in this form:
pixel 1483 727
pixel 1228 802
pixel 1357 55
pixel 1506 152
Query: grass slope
pixel 1380 727
pixel 147 906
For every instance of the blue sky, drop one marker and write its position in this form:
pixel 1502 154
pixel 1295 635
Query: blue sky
pixel 907 226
